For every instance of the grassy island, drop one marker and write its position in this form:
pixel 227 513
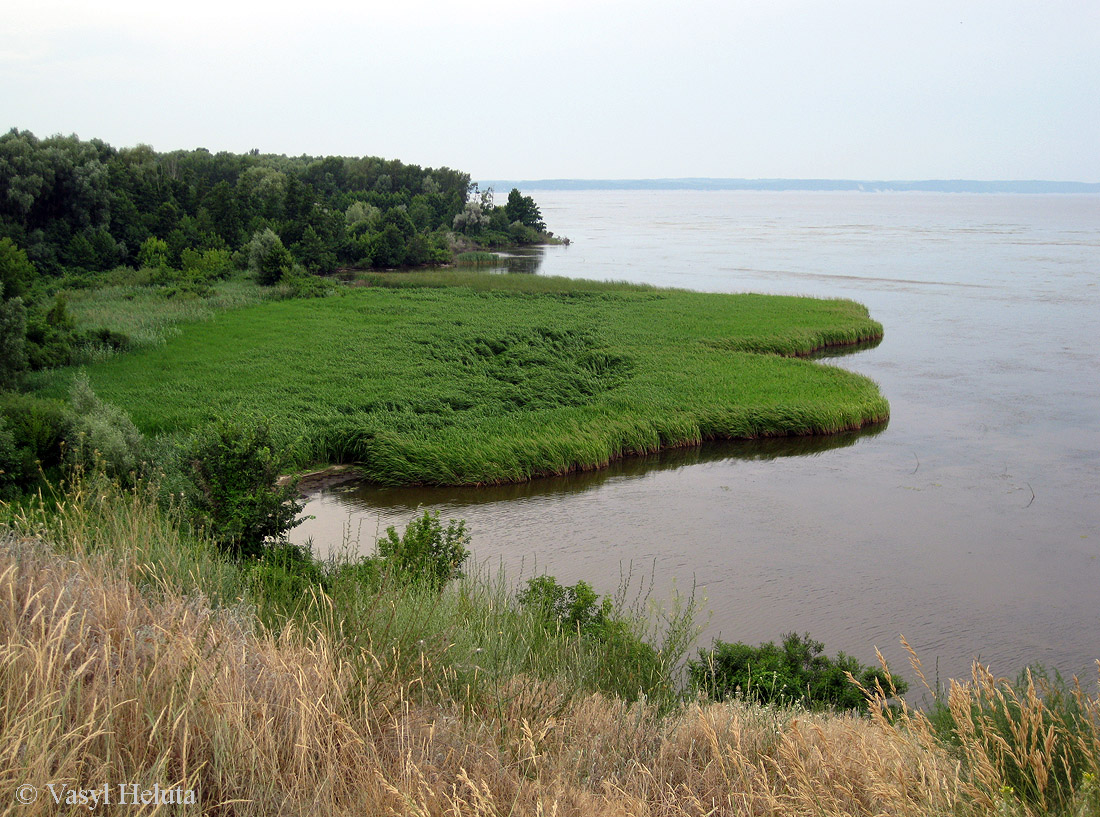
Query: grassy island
pixel 453 377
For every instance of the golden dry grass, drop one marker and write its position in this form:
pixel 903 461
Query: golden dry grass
pixel 104 681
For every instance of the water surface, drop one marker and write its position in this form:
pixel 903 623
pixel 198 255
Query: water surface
pixel 970 523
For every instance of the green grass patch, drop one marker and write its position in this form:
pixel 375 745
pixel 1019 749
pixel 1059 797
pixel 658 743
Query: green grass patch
pixel 148 315
pixel 477 258
pixel 453 377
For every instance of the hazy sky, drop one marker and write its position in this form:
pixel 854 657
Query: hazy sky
pixel 868 89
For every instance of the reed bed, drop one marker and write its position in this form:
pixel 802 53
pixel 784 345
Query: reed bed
pixel 148 318
pixel 453 377
pixel 111 676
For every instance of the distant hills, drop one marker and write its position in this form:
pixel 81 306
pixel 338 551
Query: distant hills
pixel 929 186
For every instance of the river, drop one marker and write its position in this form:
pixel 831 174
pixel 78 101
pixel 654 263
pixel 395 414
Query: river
pixel 970 524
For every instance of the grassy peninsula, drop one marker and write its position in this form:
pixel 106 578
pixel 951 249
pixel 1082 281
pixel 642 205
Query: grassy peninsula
pixel 452 377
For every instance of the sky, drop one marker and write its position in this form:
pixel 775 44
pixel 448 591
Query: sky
pixel 607 89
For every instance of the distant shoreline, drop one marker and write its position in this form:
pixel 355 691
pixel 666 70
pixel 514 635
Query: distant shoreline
pixel 821 185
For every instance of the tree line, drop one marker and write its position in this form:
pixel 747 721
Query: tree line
pixel 83 206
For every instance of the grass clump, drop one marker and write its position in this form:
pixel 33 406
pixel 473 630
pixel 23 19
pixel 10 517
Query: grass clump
pixel 453 378
pixel 147 311
pixel 477 258
pixel 793 673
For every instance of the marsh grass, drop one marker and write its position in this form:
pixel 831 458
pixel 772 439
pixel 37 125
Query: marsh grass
pixel 120 661
pixel 150 314
pixel 456 377
pixel 477 258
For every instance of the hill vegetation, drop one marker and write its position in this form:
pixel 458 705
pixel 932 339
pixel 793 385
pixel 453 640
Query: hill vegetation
pixel 136 651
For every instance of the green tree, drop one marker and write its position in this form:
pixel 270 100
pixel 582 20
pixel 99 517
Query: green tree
pixel 361 216
pixel 235 492
pixel 426 552
pixel 17 273
pixel 524 210
pixel 313 253
pixel 153 253
pixel 389 247
pixel 13 341
pixel 472 220
pixel 268 259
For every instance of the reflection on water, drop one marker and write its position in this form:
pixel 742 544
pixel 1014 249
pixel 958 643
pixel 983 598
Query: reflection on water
pixel 522 260
pixel 374 498
pixel 845 351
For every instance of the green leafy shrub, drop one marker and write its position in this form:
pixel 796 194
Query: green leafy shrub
pixel 153 253
pixel 101 435
pixel 207 265
pixel 632 666
pixel 38 427
pixel 268 259
pixel 572 607
pixel 426 552
pixel 11 461
pixel 234 492
pixel 13 341
pixel 284 578
pixel 794 672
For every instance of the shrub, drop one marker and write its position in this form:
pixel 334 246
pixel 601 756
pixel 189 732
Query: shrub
pixel 11 461
pixel 268 259
pixel 426 552
pixel 795 672
pixel 207 265
pixel 101 435
pixel 234 491
pixel 628 663
pixel 13 341
pixel 573 608
pixel 37 426
pixel 284 577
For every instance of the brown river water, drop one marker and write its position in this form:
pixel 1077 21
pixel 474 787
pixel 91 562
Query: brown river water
pixel 970 523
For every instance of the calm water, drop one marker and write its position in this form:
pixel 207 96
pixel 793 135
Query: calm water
pixel 970 524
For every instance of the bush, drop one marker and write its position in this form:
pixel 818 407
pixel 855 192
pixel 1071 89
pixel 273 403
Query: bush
pixel 268 259
pixel 207 265
pixel 234 490
pixel 426 552
pixel 101 435
pixel 573 608
pixel 794 672
pixel 11 461
pixel 284 578
pixel 630 665
pixel 37 426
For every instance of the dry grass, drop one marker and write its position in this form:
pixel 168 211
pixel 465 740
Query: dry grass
pixel 104 681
